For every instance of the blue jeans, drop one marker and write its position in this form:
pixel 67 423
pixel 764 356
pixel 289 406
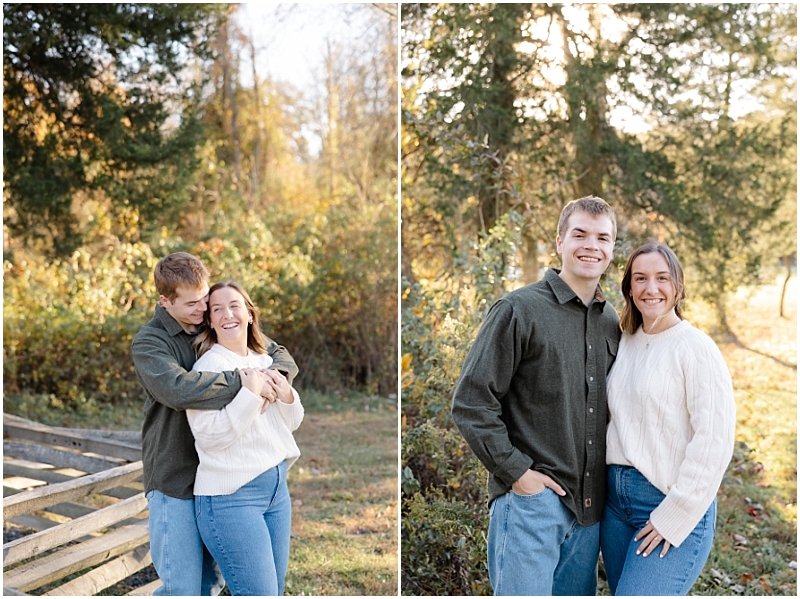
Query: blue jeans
pixel 536 547
pixel 629 502
pixel 248 533
pixel 182 562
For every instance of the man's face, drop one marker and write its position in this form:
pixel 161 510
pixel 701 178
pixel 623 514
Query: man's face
pixel 587 246
pixel 189 306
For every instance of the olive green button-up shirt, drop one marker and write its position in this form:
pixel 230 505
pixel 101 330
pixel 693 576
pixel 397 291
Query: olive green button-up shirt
pixel 163 357
pixel 532 391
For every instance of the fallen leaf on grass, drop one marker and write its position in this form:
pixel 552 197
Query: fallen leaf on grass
pixel 737 588
pixel 793 565
pixel 740 540
pixel 297 502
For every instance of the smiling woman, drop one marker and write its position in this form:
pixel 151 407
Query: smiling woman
pixel 242 500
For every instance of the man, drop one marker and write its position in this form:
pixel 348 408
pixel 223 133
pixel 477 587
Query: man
pixel 163 357
pixel 531 403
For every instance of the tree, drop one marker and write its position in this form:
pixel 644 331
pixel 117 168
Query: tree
pixel 98 101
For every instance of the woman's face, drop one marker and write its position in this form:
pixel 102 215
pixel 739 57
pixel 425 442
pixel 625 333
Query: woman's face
pixel 652 289
pixel 228 314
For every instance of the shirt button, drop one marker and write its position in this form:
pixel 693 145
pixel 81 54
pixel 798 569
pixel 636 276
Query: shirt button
pixel 590 441
pixel 587 474
pixel 591 378
pixel 590 346
pixel 591 410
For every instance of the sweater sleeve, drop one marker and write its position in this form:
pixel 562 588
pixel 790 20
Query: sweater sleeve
pixel 172 385
pixel 484 381
pixel 219 429
pixel 712 416
pixel 292 413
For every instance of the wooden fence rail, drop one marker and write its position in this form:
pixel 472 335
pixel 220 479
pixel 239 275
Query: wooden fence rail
pixel 77 489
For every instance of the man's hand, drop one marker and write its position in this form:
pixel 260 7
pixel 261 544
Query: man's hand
pixel 533 482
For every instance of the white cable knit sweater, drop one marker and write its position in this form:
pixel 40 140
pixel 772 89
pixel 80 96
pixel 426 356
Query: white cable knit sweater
pixel 672 411
pixel 238 443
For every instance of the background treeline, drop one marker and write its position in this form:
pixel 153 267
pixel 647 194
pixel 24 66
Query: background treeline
pixel 510 111
pixel 131 131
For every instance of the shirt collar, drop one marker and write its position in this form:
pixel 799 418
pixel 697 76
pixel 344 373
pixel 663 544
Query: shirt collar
pixel 170 325
pixel 564 292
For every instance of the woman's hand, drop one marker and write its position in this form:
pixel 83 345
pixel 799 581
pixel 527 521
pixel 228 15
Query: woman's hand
pixel 651 540
pixel 533 482
pixel 279 384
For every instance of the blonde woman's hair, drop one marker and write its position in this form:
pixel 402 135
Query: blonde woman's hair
pixel 208 337
pixel 631 318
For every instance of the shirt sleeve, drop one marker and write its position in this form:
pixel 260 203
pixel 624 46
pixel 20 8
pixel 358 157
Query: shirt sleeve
pixel 282 360
pixel 168 383
pixel 484 381
pixel 712 415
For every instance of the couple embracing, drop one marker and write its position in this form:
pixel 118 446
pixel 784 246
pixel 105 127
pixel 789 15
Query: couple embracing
pixel 217 437
pixel 599 431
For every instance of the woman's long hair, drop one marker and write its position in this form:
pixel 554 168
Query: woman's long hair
pixel 631 318
pixel 208 337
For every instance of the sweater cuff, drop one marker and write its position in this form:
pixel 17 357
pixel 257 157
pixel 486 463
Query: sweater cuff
pixel 512 469
pixel 673 522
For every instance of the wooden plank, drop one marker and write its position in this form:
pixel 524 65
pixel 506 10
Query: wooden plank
pixel 72 559
pixel 127 437
pixel 64 437
pixel 106 575
pixel 57 457
pixel 50 476
pixel 38 499
pixel 20 549
pixel 147 589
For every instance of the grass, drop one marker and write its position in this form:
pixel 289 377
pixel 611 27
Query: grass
pixel 344 487
pixel 755 549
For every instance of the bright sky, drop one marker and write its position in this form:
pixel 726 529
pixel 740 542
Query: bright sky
pixel 291 38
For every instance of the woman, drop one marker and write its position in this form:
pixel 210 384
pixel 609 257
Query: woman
pixel 242 502
pixel 670 435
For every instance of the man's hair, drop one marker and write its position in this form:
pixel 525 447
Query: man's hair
pixel 256 340
pixel 631 318
pixel 591 205
pixel 179 269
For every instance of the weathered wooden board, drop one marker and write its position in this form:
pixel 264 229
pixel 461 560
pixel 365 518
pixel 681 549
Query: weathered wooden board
pixel 57 457
pixel 106 575
pixel 20 428
pixel 34 544
pixel 37 499
pixel 69 560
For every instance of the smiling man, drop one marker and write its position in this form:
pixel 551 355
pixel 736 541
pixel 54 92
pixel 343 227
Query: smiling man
pixel 531 403
pixel 163 357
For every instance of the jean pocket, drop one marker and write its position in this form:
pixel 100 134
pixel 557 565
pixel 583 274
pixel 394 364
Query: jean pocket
pixel 528 496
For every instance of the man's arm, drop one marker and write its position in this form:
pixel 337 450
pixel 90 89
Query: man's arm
pixel 282 360
pixel 170 384
pixel 484 381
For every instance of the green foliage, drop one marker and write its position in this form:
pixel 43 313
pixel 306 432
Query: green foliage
pixel 443 542
pixel 68 324
pixel 97 99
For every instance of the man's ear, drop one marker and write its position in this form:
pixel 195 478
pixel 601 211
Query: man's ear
pixel 558 246
pixel 163 301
